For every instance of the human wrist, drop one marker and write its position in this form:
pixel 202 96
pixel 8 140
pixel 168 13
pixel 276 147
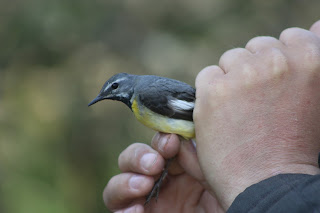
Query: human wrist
pixel 246 166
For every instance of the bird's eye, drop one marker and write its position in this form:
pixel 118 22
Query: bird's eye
pixel 114 85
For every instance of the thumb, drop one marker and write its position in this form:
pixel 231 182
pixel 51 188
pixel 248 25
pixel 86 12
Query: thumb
pixel 188 159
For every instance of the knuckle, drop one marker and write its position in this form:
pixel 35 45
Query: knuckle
pixel 261 41
pixel 125 153
pixel 205 80
pixel 315 28
pixel 307 47
pixel 295 35
pixel 129 158
pixel 271 63
pixel 231 57
pixel 249 74
pixel 279 62
pixel 289 33
pixel 312 57
pixel 233 52
pixel 226 55
pixel 137 154
pixel 204 74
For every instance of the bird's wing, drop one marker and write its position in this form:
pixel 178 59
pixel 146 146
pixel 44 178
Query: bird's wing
pixel 168 97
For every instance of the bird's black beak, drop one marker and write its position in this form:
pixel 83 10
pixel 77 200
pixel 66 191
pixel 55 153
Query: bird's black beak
pixel 97 99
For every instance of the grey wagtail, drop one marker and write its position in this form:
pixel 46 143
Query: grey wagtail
pixel 163 104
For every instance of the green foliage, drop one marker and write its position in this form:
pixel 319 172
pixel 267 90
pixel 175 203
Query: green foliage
pixel 56 154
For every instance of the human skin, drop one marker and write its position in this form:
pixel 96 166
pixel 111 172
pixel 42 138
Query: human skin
pixel 256 115
pixel 141 165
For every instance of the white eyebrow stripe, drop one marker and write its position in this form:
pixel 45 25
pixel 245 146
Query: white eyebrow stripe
pixel 117 81
pixel 105 89
pixel 121 79
pixel 181 105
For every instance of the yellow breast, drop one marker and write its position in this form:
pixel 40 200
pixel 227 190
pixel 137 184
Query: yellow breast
pixel 161 123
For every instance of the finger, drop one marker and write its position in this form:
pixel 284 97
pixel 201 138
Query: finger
pixel 175 168
pixel 315 28
pixel 210 83
pixel 141 158
pixel 261 43
pixel 304 46
pixel 271 63
pixel 206 79
pixel 125 188
pixel 188 159
pixel 297 37
pixel 233 60
pixel 208 75
pixel 166 144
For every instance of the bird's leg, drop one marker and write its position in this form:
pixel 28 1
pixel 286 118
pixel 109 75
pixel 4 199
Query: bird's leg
pixel 157 185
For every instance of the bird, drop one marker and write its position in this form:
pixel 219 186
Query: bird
pixel 162 104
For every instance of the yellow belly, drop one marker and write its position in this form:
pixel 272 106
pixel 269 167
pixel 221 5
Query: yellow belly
pixel 163 124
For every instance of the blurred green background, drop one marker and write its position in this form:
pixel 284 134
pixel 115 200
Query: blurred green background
pixel 56 154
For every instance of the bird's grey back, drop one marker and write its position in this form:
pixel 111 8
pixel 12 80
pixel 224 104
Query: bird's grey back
pixel 156 93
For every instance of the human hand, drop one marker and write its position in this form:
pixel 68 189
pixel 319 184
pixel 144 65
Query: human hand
pixel 258 113
pixel 184 190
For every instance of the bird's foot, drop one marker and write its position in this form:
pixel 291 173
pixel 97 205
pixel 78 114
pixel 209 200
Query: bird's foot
pixel 157 185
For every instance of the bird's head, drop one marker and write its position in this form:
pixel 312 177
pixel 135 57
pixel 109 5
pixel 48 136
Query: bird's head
pixel 119 87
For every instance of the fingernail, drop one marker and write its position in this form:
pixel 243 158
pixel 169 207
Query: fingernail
pixel 135 182
pixel 156 137
pixel 148 160
pixel 163 142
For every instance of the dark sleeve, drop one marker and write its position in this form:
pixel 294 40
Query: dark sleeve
pixel 281 193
